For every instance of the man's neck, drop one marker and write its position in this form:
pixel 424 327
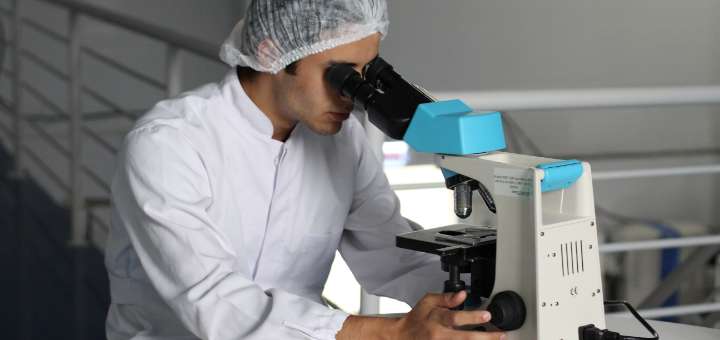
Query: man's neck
pixel 259 88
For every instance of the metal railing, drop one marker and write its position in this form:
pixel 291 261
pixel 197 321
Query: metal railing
pixel 590 98
pixel 176 44
pixel 77 51
pixel 21 58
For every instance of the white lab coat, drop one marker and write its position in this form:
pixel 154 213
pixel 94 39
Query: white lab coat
pixel 221 232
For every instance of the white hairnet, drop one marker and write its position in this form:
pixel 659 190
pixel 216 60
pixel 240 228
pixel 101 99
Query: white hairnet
pixel 276 33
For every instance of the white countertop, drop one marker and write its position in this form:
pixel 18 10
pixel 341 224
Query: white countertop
pixel 666 330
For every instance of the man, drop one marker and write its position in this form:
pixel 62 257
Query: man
pixel 229 202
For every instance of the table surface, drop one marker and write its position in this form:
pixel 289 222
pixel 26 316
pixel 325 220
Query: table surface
pixel 627 325
pixel 666 330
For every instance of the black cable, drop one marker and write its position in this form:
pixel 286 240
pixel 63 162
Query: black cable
pixel 637 316
pixel 590 332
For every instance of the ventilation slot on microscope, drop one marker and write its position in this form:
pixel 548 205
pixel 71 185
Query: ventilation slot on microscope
pixel 572 258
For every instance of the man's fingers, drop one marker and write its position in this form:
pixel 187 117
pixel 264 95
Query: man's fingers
pixel 434 318
pixel 463 318
pixel 445 300
pixel 454 299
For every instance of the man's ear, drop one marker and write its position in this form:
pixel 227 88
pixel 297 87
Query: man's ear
pixel 267 53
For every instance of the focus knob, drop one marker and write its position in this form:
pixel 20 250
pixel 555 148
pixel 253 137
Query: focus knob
pixel 508 311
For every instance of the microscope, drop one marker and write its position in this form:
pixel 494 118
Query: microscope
pixel 537 270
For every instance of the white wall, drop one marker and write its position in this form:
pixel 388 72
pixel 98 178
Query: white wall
pixel 511 44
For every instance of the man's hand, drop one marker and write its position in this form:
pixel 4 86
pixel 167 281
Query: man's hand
pixel 430 319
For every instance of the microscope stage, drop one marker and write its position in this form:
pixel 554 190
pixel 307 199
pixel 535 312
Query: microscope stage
pixel 448 240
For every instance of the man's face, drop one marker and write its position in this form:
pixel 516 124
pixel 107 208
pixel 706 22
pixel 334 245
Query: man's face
pixel 308 98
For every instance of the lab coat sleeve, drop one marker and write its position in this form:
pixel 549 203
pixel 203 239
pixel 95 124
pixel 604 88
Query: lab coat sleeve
pixel 162 191
pixel 368 243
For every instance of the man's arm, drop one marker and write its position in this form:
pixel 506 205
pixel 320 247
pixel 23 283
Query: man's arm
pixel 430 319
pixel 368 242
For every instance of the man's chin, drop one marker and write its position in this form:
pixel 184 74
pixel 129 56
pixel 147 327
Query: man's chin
pixel 327 129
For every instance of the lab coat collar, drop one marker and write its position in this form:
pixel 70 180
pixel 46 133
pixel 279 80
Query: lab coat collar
pixel 243 109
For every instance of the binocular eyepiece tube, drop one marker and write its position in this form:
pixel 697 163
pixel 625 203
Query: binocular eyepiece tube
pixel 389 100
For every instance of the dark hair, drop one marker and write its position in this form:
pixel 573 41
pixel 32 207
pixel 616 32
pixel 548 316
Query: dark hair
pixel 292 68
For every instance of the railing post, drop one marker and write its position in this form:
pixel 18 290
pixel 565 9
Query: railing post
pixel 16 104
pixel 77 200
pixel 25 326
pixel 174 72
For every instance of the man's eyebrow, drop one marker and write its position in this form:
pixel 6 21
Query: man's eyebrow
pixel 342 62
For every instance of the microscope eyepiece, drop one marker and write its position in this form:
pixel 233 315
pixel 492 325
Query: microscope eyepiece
pixel 389 100
pixel 349 83
pixel 377 70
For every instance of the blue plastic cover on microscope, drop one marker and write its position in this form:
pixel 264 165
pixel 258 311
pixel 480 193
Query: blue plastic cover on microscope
pixel 450 127
pixel 560 175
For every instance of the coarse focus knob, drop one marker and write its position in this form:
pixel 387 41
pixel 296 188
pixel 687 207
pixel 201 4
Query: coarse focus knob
pixel 508 311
